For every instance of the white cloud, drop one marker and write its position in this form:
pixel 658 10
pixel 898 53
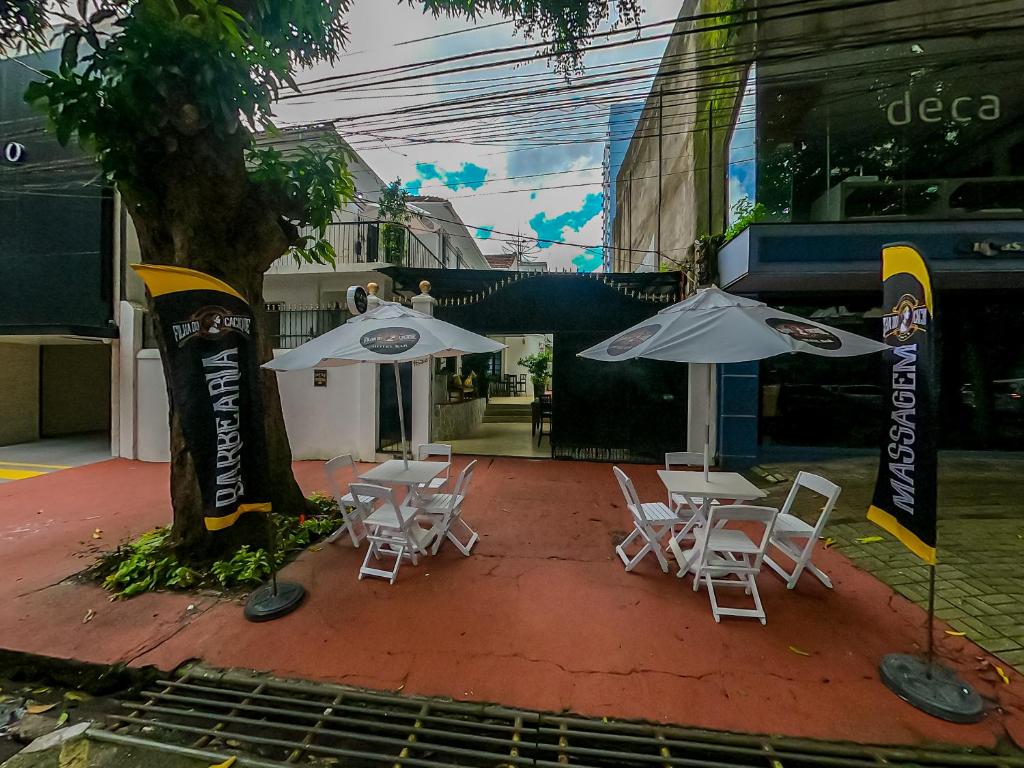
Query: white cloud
pixel 375 29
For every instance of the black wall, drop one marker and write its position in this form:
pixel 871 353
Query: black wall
pixel 55 223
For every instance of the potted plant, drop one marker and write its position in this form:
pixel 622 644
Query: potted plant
pixel 539 366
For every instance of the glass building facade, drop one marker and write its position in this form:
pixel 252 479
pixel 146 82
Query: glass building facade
pixel 895 135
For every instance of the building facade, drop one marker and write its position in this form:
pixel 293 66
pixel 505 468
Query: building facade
pixel 60 279
pixel 622 120
pixel 806 143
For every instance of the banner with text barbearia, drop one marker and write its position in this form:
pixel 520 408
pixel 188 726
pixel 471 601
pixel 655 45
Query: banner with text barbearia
pixel 211 363
pixel 904 501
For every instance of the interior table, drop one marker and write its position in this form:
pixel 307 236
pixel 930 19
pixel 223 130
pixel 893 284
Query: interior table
pixel 718 485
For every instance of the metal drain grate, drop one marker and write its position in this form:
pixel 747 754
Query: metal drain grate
pixel 271 723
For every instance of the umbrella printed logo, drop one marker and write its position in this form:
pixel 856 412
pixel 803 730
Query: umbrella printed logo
pixel 808 333
pixel 632 339
pixel 390 341
pixel 211 323
pixel 907 318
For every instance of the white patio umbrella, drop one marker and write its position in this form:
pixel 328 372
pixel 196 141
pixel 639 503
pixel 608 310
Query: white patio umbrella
pixel 390 333
pixel 713 326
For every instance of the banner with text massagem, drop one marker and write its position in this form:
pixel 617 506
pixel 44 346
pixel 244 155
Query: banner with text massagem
pixel 904 501
pixel 212 365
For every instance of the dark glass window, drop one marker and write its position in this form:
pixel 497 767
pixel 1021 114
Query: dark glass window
pixel 931 130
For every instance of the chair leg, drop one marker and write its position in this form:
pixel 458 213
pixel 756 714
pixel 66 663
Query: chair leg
pixel 467 548
pixel 714 600
pixel 752 587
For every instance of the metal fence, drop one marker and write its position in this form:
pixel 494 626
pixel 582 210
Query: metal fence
pixel 292 326
pixel 359 242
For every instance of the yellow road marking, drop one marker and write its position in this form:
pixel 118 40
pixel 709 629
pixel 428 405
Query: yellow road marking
pixel 37 466
pixel 18 474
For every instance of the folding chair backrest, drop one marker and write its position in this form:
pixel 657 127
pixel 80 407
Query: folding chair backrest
pixel 380 493
pixel 462 484
pixel 683 459
pixel 816 484
pixel 426 451
pixel 744 513
pixel 629 494
pixel 336 467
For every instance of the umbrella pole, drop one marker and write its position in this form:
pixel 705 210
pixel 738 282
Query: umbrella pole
pixel 401 414
pixel 707 426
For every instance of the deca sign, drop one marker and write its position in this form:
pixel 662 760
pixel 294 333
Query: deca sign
pixel 932 109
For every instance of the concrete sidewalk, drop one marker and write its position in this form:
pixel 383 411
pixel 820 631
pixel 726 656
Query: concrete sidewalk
pixel 542 616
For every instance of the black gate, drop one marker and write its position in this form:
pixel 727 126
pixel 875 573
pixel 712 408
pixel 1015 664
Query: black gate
pixel 629 411
pixel 389 434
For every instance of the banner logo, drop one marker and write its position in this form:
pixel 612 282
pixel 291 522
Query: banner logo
pixel 390 341
pixel 906 318
pixel 630 340
pixel 808 333
pixel 211 323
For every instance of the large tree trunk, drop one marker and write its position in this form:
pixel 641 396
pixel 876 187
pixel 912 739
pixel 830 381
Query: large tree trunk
pixel 197 208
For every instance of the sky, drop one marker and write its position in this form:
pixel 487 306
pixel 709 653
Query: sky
pixel 561 200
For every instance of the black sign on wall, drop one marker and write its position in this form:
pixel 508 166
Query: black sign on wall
pixel 211 362
pixel 904 502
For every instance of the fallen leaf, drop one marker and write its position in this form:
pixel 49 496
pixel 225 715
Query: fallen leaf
pixel 89 615
pixel 38 709
pixel 97 534
pixel 62 719
pixel 798 651
pixel 869 539
pixel 226 764
pixel 954 633
pixel 76 696
pixel 828 541
pixel 1002 675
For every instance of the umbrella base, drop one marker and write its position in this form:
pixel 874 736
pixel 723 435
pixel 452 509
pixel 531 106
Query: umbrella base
pixel 931 688
pixel 265 605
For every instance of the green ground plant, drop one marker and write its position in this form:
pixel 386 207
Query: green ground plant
pixel 148 563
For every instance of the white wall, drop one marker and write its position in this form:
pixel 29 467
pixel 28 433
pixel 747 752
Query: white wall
pixel 321 421
pixel 519 347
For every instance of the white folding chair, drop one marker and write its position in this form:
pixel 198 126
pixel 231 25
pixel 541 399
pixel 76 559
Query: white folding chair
pixel 795 538
pixel 730 558
pixel 428 451
pixel 677 459
pixel 392 530
pixel 353 510
pixel 651 522
pixel 444 511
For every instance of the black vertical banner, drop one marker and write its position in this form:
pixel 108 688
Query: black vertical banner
pixel 211 363
pixel 904 501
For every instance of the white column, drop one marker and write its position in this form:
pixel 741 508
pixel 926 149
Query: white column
pixel 697 410
pixel 129 323
pixel 422 403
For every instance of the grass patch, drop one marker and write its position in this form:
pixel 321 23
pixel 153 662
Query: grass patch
pixel 149 563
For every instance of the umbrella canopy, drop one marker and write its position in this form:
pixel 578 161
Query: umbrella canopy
pixel 713 326
pixel 389 333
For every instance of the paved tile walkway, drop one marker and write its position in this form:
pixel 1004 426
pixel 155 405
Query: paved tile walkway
pixel 980 578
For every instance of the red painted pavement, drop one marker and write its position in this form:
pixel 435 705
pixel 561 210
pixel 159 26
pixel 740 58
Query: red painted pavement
pixel 541 616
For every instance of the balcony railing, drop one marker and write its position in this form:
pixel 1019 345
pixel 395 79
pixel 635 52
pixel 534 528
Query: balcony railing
pixel 359 242
pixel 292 326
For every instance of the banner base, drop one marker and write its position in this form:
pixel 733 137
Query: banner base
pixel 266 603
pixel 931 688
